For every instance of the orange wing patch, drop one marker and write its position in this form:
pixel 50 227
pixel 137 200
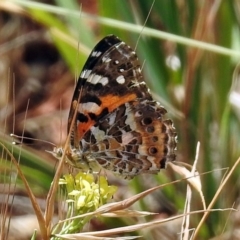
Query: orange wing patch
pixel 111 102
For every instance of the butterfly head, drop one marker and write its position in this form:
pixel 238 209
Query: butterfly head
pixel 75 157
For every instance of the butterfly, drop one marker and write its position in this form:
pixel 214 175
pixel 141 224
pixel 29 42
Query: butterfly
pixel 114 123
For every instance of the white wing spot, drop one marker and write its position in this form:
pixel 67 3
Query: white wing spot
pixel 112 118
pixel 96 54
pixel 104 81
pixel 98 134
pixel 85 73
pixel 127 138
pixel 89 107
pixel 131 120
pixel 106 59
pixel 94 78
pixel 120 79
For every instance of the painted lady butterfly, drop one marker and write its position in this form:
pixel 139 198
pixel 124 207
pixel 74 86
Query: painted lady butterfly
pixel 113 121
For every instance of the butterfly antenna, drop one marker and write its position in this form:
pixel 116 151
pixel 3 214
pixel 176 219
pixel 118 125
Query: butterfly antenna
pixel 28 138
pixel 144 24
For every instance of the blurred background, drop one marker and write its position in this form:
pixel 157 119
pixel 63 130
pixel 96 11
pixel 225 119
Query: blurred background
pixel 43 46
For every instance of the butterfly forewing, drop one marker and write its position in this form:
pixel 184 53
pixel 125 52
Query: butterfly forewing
pixel 110 77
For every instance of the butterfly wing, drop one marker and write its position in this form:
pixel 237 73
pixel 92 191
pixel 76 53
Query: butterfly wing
pixel 118 125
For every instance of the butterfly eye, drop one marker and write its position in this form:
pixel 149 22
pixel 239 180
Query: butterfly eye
pixel 57 152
